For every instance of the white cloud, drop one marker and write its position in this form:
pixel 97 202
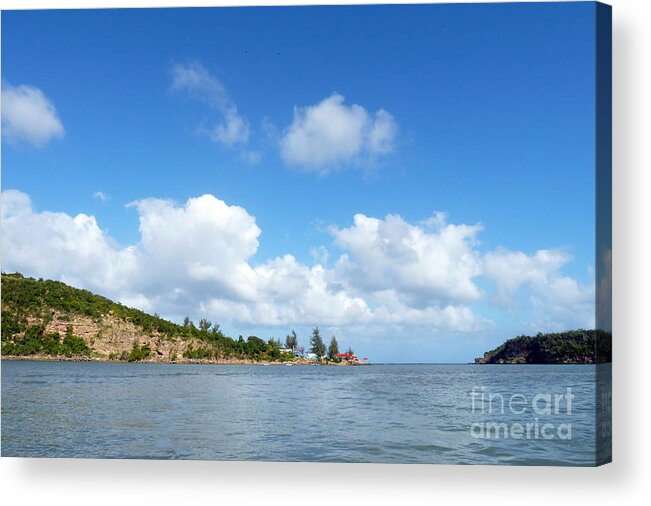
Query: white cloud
pixel 382 134
pixel 434 262
pixel 58 246
pixel 512 269
pixel 196 258
pixel 290 293
pixel 201 246
pixel 101 196
pixel 233 130
pixel 557 301
pixel 28 116
pixel 325 136
pixel 193 78
pixel 198 83
pixel 320 254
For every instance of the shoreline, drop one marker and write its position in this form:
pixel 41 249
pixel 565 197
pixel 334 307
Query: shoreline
pixel 235 361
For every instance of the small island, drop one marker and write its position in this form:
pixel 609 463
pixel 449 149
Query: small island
pixel 571 347
pixel 49 320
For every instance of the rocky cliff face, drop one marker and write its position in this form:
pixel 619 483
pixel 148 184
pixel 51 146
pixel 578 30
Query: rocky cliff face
pixel 111 337
pixel 38 316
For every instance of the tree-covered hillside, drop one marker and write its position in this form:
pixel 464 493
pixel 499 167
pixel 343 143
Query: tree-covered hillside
pixel 572 347
pixel 30 307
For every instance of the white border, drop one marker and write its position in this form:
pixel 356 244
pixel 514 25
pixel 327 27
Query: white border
pixel 627 480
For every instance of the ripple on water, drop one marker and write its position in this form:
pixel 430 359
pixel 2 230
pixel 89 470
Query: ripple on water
pixel 382 413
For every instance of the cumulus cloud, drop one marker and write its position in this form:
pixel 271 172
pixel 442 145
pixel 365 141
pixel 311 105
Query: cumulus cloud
pixel 71 248
pixel 434 262
pixel 196 258
pixel 28 116
pixel 557 301
pixel 513 269
pixel 202 245
pixel 195 80
pixel 325 136
pixel 382 134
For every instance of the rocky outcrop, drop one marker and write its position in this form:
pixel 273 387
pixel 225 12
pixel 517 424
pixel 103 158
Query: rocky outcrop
pixel 572 347
pixel 112 337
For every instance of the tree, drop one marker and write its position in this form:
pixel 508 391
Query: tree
pixel 255 345
pixel 291 341
pixel 187 322
pixel 350 351
pixel 316 343
pixel 275 343
pixel 333 349
pixel 204 324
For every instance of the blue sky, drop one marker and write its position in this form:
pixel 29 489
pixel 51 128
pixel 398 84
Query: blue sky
pixel 488 117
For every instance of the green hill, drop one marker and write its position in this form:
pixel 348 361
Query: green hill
pixel 572 347
pixel 49 318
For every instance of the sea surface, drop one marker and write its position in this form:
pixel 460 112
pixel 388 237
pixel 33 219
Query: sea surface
pixel 378 413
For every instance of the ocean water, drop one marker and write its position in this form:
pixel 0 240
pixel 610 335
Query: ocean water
pixel 379 413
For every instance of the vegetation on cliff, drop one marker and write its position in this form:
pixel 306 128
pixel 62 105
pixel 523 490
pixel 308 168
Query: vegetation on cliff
pixel 34 341
pixel 30 306
pixel 572 347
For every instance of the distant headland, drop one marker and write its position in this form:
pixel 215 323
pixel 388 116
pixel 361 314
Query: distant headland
pixel 571 347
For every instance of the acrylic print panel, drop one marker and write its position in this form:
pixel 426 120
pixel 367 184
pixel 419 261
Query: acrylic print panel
pixel 341 234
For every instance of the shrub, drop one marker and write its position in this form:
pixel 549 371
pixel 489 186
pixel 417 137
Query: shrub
pixel 139 352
